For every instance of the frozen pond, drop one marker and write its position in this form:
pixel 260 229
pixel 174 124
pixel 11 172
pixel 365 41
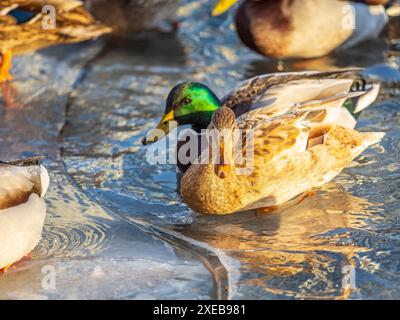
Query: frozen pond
pixel 116 226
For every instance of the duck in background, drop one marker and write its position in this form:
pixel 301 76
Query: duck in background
pixel 23 184
pixel 129 17
pixel 305 28
pixel 22 30
pixel 303 136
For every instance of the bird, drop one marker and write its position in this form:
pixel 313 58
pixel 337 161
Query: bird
pixel 29 25
pixel 285 29
pixel 23 184
pixel 129 17
pixel 303 129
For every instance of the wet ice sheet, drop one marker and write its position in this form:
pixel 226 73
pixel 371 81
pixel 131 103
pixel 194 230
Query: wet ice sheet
pixel 96 256
pixel 128 212
pixel 93 254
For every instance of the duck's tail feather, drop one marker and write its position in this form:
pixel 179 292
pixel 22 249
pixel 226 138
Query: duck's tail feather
pixel 27 162
pixel 32 172
pixel 44 181
pixel 368 97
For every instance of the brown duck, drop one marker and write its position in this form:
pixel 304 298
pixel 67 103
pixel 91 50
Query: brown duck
pixel 22 30
pixel 305 28
pixel 303 136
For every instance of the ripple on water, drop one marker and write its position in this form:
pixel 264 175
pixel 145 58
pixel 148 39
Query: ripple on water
pixel 72 240
pixel 75 225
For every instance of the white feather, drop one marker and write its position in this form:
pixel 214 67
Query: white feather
pixel 21 225
pixel 20 229
pixel 368 98
pixel 44 181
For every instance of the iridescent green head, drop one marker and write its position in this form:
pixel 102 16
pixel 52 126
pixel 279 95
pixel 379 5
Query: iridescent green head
pixel 188 103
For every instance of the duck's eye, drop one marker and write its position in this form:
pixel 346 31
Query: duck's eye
pixel 186 101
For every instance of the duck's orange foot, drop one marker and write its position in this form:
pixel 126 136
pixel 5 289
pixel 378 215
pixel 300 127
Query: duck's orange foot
pixel 5 67
pixel 10 96
pixel 5 76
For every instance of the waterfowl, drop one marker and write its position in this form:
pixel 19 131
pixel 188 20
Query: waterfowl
pixel 28 25
pixel 23 185
pixel 305 28
pixel 292 155
pixel 302 128
pixel 128 17
pixel 193 103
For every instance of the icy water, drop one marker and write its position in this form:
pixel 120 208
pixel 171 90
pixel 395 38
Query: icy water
pixel 116 226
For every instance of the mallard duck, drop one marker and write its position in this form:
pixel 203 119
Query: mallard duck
pixel 22 29
pixel 303 136
pixel 128 17
pixel 23 185
pixel 305 28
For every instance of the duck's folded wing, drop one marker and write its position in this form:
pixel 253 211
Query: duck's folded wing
pixel 73 20
pixel 8 5
pixel 17 183
pixel 275 90
pixel 59 5
pixel 283 136
pixel 322 98
pixel 288 135
pixel 6 20
pixel 324 111
pixel 37 5
pixel 287 154
pixel 16 12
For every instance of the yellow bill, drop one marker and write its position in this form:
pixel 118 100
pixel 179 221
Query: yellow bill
pixel 163 128
pixel 222 6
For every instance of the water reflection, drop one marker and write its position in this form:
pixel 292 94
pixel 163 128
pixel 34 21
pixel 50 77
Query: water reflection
pixel 75 226
pixel 373 55
pixel 297 240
